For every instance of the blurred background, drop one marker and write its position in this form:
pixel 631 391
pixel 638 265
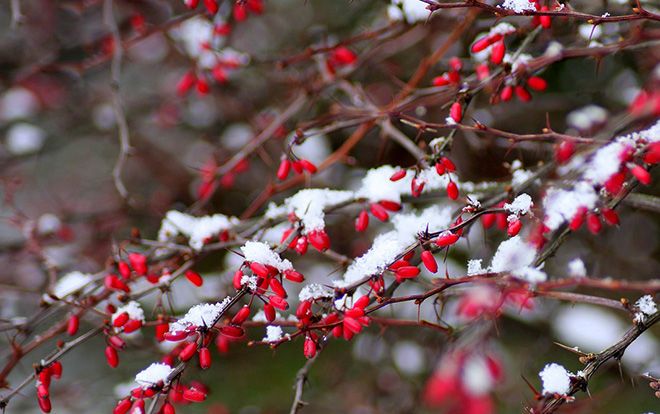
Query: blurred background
pixel 61 210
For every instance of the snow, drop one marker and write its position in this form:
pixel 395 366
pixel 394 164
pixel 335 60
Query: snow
pixel 24 138
pixel 521 205
pixel 202 315
pixel 605 162
pixel 412 10
pixel 153 375
pixel 309 206
pixel 512 254
pixel 376 185
pixel 387 246
pixel 273 334
pixel 17 103
pixel 476 375
pixel 197 229
pixel 193 33
pixel 520 176
pixel 518 6
pixel 576 268
pixel 589 31
pixel 315 291
pixel 502 28
pixel 262 253
pixel 48 223
pixel 646 305
pixel 133 309
pixel 530 274
pixel 521 60
pixel 70 283
pixel 555 378
pixel 474 267
pixel 250 282
pixel 562 205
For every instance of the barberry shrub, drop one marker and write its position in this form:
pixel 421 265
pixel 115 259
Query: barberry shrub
pixel 329 206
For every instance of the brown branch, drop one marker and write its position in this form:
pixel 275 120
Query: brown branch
pixel 595 361
pixel 301 379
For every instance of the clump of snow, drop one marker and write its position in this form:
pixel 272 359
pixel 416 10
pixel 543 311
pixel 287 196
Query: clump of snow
pixel 376 185
pixel 502 28
pixel 309 206
pixel 562 205
pixel 477 377
pixel 315 291
pixel 412 10
pixel 24 138
pixel 273 334
pixel 646 305
pixel 69 284
pixel 512 254
pixel 520 60
pixel 474 267
pixel 48 223
pixel 554 49
pixel 556 379
pixel 133 309
pixel 153 375
pixel 518 6
pixel 249 281
pixel 17 103
pixel 197 229
pixel 605 162
pixel 530 274
pixel 262 253
pixel 515 256
pixel 576 268
pixel 521 205
pixel 202 315
pixel 387 246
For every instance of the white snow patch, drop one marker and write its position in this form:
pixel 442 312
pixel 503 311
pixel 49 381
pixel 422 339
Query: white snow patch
pixel 309 206
pixel 273 334
pixel 262 253
pixel 576 268
pixel 556 379
pixel 68 284
pixel 197 229
pixel 202 315
pixel 24 138
pixel 315 291
pixel 521 205
pixel 133 309
pixel 153 375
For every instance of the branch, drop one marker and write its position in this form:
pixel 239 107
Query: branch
pixel 616 351
pixel 301 379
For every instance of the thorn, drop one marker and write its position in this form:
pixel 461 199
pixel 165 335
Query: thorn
pixel 573 349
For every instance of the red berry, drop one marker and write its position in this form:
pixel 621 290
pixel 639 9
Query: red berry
pixel 452 190
pixel 188 351
pixel 439 168
pixel 362 221
pixel 446 239
pixel 269 311
pixel 310 167
pixel 319 239
pixel 441 80
pixel 398 174
pixel 406 272
pixel 456 112
pixel 232 331
pixel 259 269
pixel 487 220
pixel 211 6
pixel 481 44
pixel 132 325
pixel 564 151
pixel 72 325
pixel 390 205
pixel 497 52
pixel 56 369
pixel 236 280
pixel 593 223
pixel 545 21
pixel 536 83
pixel 294 276
pixel 278 303
pixel 111 356
pixel 284 169
pixel 241 316
pixel 309 348
pixel 186 83
pixel 641 174
pixel 204 358
pixel 448 164
pixel 429 261
pixel 194 395
pixel 514 227
pixel 138 263
pixel 379 212
pixel 523 94
pixel 194 278
pixel 507 93
pixel 610 216
pixel 277 288
pixel 120 320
